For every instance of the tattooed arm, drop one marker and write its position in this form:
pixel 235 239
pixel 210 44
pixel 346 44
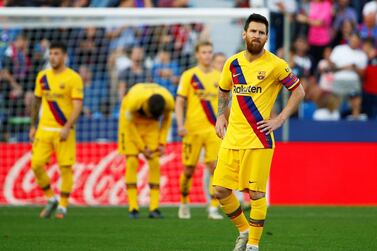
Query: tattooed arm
pixel 35 106
pixel 223 113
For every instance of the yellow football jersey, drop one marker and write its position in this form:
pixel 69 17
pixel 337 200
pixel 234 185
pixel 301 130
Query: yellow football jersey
pixel 57 92
pixel 201 90
pixel 132 103
pixel 255 86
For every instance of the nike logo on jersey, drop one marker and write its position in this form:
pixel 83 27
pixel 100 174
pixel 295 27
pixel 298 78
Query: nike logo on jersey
pixel 235 75
pixel 250 182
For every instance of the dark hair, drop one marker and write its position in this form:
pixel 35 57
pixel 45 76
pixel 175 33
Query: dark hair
pixel 58 45
pixel 355 33
pixel 369 41
pixel 156 104
pixel 256 18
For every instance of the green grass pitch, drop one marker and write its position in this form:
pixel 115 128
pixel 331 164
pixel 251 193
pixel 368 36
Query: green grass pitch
pixel 109 228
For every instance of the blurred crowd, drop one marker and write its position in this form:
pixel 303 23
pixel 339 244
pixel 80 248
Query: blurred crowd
pixel 333 51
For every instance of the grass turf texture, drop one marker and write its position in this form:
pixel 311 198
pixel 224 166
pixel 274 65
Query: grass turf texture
pixel 287 228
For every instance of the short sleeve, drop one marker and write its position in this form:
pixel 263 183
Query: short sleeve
pixel 169 101
pixel 226 81
pixel 38 86
pixel 286 77
pixel 184 85
pixel 77 91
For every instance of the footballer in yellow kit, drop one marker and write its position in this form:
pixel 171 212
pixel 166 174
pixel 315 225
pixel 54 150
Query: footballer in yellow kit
pixel 144 122
pixel 197 90
pixel 254 76
pixel 59 94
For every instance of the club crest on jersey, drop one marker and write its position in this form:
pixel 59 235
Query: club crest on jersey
pixel 287 69
pixel 261 75
pixel 216 85
pixel 62 86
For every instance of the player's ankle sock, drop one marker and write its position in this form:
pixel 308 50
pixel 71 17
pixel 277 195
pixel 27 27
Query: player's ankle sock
pixel 43 181
pixel 214 202
pixel 185 186
pixel 48 192
pixel 232 208
pixel 132 197
pixel 66 174
pixel 257 217
pixel 154 196
pixel 64 197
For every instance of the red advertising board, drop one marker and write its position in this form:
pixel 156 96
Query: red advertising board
pixel 302 174
pixel 98 176
pixel 324 174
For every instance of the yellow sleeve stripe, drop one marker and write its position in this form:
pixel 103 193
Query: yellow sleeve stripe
pixel 294 86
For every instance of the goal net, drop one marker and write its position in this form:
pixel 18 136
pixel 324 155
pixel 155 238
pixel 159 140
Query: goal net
pixel 102 46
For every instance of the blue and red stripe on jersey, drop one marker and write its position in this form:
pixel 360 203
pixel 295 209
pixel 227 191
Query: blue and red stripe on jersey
pixel 237 74
pixel 44 83
pixel 206 105
pixel 253 116
pixel 54 107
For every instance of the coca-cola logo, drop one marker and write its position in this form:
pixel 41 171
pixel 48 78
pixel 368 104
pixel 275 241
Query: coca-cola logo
pixel 95 183
pixel 98 176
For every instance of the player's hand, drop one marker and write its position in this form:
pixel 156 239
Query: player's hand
pixel 182 131
pixel 32 133
pixel 221 125
pixel 161 150
pixel 64 133
pixel 268 126
pixel 147 153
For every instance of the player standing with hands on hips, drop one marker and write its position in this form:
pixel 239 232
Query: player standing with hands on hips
pixel 255 77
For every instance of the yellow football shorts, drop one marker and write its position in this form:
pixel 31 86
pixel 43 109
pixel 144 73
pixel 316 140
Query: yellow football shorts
pixel 243 169
pixel 149 133
pixel 48 141
pixel 193 144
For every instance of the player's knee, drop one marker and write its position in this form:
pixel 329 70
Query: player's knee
pixel 189 171
pixel 37 164
pixel 131 161
pixel 256 195
pixel 154 162
pixel 221 192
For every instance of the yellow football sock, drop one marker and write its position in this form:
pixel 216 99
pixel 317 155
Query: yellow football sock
pixel 63 202
pixel 232 207
pixel 185 186
pixel 154 182
pixel 154 196
pixel 214 201
pixel 257 217
pixel 43 181
pixel 66 174
pixel 132 164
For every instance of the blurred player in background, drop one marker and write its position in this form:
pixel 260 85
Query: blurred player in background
pixel 198 91
pixel 218 61
pixel 256 76
pixel 144 121
pixel 59 91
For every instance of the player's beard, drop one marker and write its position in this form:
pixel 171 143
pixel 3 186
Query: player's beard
pixel 254 48
pixel 55 65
